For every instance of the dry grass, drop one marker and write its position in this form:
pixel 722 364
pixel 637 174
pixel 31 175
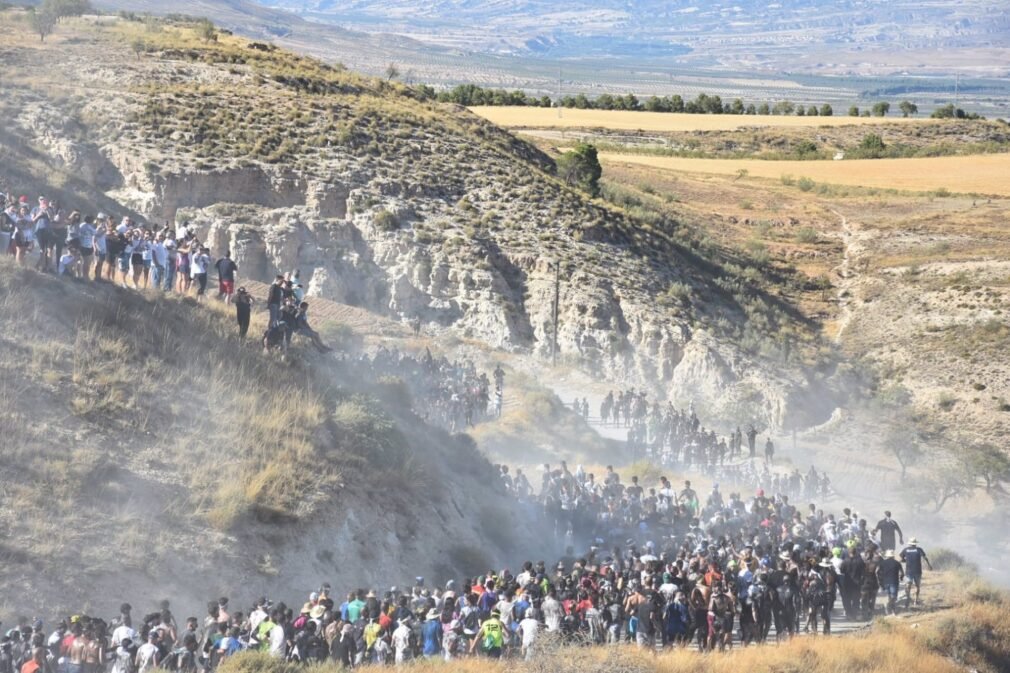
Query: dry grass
pixel 529 117
pixel 165 374
pixel 537 427
pixel 987 174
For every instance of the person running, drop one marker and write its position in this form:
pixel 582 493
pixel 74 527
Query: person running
pixel 490 637
pixel 721 612
pixel 888 528
pixel 890 574
pixel 913 556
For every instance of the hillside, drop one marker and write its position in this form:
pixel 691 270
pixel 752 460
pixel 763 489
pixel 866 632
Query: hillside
pixel 150 450
pixel 400 206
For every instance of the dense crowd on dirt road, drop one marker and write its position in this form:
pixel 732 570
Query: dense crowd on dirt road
pixel 700 573
pixel 675 438
pixel 661 567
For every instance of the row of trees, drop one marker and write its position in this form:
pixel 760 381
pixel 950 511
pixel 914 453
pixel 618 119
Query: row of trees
pixel 471 94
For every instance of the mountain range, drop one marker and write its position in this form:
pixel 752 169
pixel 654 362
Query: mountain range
pixel 653 28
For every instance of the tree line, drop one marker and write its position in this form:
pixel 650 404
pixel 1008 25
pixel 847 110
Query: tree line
pixel 471 94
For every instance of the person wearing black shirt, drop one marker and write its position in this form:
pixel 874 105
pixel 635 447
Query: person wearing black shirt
pixel 274 298
pixel 226 269
pixel 243 311
pixel 888 527
pixel 890 574
pixel 913 555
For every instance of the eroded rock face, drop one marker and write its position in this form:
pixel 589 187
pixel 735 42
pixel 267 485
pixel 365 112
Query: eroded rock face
pixel 501 296
pixel 465 239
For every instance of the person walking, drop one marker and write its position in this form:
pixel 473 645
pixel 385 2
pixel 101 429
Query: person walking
pixel 913 555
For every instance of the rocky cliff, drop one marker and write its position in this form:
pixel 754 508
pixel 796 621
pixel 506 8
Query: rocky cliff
pixel 386 201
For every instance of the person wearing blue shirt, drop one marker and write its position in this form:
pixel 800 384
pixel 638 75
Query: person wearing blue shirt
pixel 913 555
pixel 431 635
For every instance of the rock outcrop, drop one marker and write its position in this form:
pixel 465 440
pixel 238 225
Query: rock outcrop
pixel 411 210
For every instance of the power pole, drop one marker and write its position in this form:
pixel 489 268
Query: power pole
pixel 957 86
pixel 559 93
pixel 557 295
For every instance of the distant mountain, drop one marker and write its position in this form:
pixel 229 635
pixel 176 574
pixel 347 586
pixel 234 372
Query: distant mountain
pixel 670 27
pixel 808 51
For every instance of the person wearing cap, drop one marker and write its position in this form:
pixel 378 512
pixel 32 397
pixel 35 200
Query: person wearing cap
pixel 913 556
pixel 890 574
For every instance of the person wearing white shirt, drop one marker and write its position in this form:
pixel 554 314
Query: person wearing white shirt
pixel 529 628
pixel 401 641
pixel 159 260
pixel 122 633
pixel 86 241
pixel 277 642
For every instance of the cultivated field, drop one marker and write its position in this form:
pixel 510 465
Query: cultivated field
pixel 984 174
pixel 531 117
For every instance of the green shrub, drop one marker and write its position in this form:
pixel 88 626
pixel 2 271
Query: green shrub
pixel 805 184
pixel 386 221
pixel 807 235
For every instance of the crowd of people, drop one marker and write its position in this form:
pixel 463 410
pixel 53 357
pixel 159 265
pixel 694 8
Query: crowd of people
pixel 141 257
pixel 663 566
pixel 718 571
pixel 448 393
pixel 673 437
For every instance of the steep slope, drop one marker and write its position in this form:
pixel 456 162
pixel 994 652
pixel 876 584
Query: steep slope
pixel 148 451
pixel 395 204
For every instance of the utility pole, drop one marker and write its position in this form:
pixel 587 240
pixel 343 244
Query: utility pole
pixel 559 93
pixel 557 295
pixel 957 86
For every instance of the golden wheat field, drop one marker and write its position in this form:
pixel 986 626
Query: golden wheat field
pixel 621 120
pixel 980 174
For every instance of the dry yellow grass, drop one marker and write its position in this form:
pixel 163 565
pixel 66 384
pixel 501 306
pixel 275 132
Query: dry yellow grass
pixel 531 117
pixel 983 174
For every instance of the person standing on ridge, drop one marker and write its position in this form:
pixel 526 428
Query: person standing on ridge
pixel 226 270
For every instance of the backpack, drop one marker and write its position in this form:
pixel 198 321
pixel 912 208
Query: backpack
pixel 817 591
pixel 471 621
pixel 493 636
